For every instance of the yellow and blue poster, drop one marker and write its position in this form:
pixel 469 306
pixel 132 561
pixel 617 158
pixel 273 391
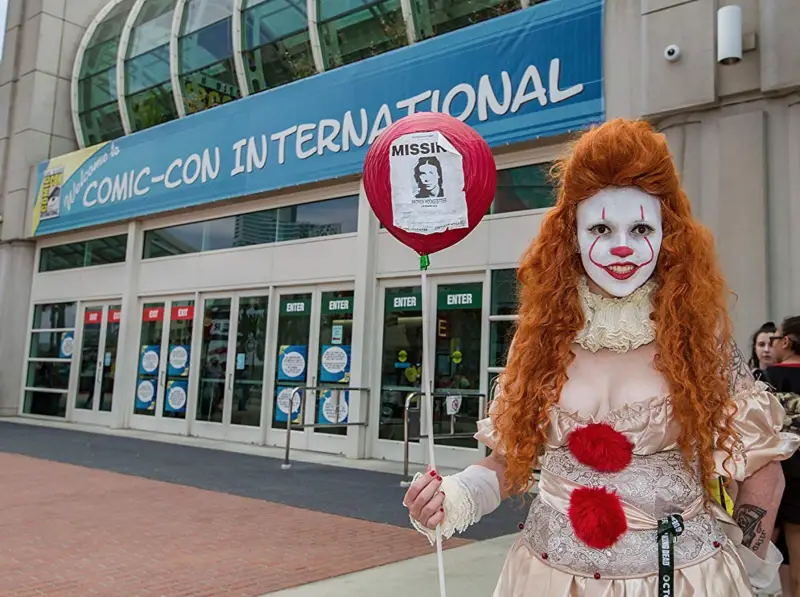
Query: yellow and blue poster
pixel 176 396
pixel 330 412
pixel 334 364
pixel 67 346
pixel 284 402
pixel 178 364
pixel 146 390
pixel 149 359
pixel 292 362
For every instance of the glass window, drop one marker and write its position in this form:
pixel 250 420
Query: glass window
pixel 208 74
pixel 99 251
pixel 504 304
pixel 97 80
pixel 526 187
pixel 148 85
pixel 322 218
pixel 50 359
pixel 435 17
pixel 352 30
pixel 309 220
pixel 277 49
pixel 56 316
pixel 401 357
pixel 179 349
pixel 149 359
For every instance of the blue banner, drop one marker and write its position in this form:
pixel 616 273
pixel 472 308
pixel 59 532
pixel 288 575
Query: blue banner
pixel 533 73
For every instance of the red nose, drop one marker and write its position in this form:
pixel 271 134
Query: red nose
pixel 622 251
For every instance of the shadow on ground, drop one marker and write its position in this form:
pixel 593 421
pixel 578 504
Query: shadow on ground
pixel 366 495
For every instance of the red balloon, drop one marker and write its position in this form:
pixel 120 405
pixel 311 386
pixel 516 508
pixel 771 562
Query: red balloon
pixel 480 177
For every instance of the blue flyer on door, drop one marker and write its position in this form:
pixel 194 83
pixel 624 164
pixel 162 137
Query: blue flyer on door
pixel 329 411
pixel 149 359
pixel 334 363
pixel 67 346
pixel 283 396
pixel 178 363
pixel 292 363
pixel 176 396
pixel 146 394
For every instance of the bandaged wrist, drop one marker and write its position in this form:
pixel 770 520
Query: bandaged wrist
pixel 763 573
pixel 468 496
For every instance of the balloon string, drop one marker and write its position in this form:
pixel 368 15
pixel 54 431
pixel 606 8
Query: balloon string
pixel 424 262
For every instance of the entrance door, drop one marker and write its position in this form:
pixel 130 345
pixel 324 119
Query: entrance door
pixel 457 316
pixel 313 347
pixel 232 365
pixel 98 353
pixel 164 364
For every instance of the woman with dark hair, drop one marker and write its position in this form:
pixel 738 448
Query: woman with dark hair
pixel 784 377
pixel 428 176
pixel 761 350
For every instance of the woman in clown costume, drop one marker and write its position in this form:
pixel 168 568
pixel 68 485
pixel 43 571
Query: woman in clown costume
pixel 624 388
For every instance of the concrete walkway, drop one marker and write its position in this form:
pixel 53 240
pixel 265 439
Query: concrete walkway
pixel 471 571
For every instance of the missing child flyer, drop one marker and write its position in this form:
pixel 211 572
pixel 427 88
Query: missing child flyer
pixel 427 179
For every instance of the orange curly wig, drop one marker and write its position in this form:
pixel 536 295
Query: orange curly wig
pixel 690 301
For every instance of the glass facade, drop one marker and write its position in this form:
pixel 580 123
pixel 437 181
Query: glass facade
pixel 98 251
pixel 148 86
pixel 522 188
pixel 502 315
pixel 308 220
pixel 352 30
pixel 275 45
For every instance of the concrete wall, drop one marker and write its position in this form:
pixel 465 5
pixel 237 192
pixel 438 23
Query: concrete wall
pixel 41 41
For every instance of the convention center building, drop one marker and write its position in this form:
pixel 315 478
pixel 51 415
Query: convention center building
pixel 185 247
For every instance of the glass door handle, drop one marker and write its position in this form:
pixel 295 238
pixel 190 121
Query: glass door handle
pixel 230 381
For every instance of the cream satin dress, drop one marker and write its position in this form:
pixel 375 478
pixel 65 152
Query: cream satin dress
pixel 548 559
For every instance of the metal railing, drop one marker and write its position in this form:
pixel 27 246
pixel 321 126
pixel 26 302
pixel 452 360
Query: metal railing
pixel 302 426
pixel 406 481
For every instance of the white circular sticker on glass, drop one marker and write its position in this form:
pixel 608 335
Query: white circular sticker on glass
pixel 293 364
pixel 178 357
pixel 284 397
pixel 177 397
pixel 334 360
pixel 145 392
pixel 67 345
pixel 329 409
pixel 150 361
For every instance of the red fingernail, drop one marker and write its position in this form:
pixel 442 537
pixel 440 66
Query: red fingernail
pixel 438 478
pixel 433 473
pixel 441 510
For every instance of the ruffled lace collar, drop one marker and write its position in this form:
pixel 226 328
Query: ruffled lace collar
pixel 617 324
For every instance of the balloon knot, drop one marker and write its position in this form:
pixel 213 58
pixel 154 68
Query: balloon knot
pixel 424 262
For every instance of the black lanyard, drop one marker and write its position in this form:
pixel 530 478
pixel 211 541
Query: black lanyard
pixel 668 530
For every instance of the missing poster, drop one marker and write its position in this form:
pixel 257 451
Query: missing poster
pixel 427 179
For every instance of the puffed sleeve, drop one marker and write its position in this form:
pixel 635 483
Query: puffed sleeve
pixel 487 434
pixel 758 420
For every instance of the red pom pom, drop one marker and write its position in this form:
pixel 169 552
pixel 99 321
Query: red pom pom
pixel 601 447
pixel 597 516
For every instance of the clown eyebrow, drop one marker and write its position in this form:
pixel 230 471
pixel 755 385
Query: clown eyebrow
pixel 603 215
pixel 641 210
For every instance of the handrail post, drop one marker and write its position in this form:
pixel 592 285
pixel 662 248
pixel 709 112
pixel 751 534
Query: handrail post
pixel 405 481
pixel 295 391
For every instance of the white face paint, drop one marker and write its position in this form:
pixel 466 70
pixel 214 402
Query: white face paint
pixel 619 234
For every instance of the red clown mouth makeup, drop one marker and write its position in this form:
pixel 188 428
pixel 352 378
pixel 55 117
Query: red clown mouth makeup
pixel 621 271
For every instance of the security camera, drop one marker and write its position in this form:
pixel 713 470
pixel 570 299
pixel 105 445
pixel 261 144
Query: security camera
pixel 672 53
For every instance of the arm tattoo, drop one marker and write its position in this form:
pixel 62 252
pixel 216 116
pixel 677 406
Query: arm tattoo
pixel 749 518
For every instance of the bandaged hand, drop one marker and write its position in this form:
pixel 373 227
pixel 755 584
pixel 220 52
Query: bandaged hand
pixel 454 502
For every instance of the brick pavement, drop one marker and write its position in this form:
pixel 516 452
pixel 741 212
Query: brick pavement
pixel 70 531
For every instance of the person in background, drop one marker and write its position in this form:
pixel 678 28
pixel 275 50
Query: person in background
pixel 761 350
pixel 784 377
